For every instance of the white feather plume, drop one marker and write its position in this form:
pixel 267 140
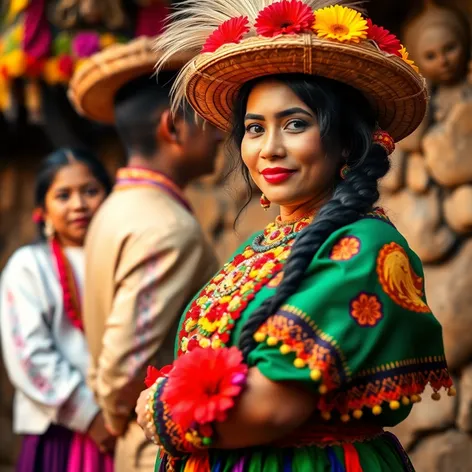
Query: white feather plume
pixel 195 20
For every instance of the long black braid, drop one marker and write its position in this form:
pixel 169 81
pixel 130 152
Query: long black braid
pixel 346 122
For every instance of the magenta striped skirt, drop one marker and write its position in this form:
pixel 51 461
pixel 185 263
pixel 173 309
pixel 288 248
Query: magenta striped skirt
pixel 61 450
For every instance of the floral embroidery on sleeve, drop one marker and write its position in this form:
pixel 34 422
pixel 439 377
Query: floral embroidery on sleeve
pixel 346 248
pixel 366 309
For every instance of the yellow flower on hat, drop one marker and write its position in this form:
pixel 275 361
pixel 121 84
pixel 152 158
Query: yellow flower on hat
pixel 405 56
pixel 340 23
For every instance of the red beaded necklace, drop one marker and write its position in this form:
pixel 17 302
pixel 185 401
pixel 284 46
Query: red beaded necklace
pixel 70 291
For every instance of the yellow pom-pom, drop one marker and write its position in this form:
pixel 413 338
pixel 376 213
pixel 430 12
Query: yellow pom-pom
pixel 358 414
pixel 394 405
pixel 377 410
pixel 259 337
pixel 315 375
pixel 415 399
pixel 285 349
pixel 452 392
pixel 272 341
pixel 345 418
pixel 299 363
pixel 436 396
pixel 323 389
pixel 326 415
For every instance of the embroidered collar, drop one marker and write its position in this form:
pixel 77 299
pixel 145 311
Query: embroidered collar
pixel 132 177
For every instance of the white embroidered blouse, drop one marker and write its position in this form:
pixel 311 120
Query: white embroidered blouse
pixel 45 356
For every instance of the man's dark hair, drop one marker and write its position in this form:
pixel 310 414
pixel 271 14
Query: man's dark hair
pixel 138 107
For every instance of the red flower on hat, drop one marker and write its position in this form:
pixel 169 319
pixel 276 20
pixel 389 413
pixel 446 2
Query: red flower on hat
pixel 231 31
pixel 285 17
pixel 385 40
pixel 203 384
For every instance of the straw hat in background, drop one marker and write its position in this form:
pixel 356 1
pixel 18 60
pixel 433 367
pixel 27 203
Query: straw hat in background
pixel 93 87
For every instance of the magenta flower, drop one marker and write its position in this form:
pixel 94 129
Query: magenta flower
pixel 86 44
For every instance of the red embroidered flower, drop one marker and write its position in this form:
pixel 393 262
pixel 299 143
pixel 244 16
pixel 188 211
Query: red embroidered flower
pixel 285 17
pixel 346 248
pixel 153 374
pixel 230 31
pixel 385 40
pixel 366 309
pixel 203 383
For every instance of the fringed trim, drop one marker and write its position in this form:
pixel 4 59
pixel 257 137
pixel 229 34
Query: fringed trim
pixel 391 385
pixel 313 348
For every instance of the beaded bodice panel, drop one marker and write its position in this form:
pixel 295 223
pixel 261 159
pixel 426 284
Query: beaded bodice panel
pixel 213 314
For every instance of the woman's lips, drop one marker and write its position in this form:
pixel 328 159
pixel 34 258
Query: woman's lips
pixel 81 222
pixel 277 175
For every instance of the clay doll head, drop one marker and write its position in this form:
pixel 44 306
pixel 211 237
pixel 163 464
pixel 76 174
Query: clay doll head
pixel 439 41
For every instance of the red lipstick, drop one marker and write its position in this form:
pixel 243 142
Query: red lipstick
pixel 81 222
pixel 277 175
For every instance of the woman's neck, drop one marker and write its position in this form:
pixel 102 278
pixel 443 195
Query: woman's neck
pixel 290 213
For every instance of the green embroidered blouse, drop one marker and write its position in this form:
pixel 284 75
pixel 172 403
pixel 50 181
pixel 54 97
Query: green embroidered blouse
pixel 358 333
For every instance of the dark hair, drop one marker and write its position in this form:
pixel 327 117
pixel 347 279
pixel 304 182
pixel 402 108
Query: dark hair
pixel 347 121
pixel 138 107
pixel 53 163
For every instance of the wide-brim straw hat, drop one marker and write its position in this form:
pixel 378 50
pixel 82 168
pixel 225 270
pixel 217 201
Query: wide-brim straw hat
pixel 93 87
pixel 211 81
pixel 397 94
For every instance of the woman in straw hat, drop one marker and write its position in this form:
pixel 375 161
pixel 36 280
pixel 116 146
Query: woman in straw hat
pixel 316 334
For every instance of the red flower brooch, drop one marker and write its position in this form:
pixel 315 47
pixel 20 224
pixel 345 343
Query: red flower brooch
pixel 285 17
pixel 231 31
pixel 385 40
pixel 203 384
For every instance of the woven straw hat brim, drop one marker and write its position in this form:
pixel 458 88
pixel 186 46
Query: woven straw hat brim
pixel 397 93
pixel 93 87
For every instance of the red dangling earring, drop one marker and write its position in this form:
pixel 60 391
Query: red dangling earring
pixel 344 171
pixel 265 202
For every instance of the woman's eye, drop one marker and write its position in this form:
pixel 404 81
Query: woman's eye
pixel 92 191
pixel 63 196
pixel 296 125
pixel 254 129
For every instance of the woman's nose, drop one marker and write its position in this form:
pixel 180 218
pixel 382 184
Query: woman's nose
pixel 272 147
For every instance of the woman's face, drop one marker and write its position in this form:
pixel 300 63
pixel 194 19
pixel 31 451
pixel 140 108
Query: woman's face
pixel 441 56
pixel 282 147
pixel 72 199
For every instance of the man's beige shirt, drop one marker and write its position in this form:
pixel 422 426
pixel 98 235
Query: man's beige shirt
pixel 146 257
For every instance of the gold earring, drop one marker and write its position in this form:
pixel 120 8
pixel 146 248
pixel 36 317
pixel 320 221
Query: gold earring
pixel 49 230
pixel 265 202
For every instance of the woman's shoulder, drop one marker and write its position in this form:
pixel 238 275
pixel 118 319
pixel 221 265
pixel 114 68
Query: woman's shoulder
pixel 371 232
pixel 25 258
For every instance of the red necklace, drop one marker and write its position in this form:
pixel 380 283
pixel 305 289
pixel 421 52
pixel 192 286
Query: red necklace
pixel 70 292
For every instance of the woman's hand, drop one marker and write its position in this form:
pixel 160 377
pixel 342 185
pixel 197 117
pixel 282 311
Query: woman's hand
pixel 142 413
pixel 100 435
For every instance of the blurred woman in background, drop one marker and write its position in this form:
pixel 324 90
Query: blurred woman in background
pixel 44 348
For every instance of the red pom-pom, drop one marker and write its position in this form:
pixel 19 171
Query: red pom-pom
pixel 203 384
pixel 385 40
pixel 285 17
pixel 153 374
pixel 230 31
pixel 65 65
